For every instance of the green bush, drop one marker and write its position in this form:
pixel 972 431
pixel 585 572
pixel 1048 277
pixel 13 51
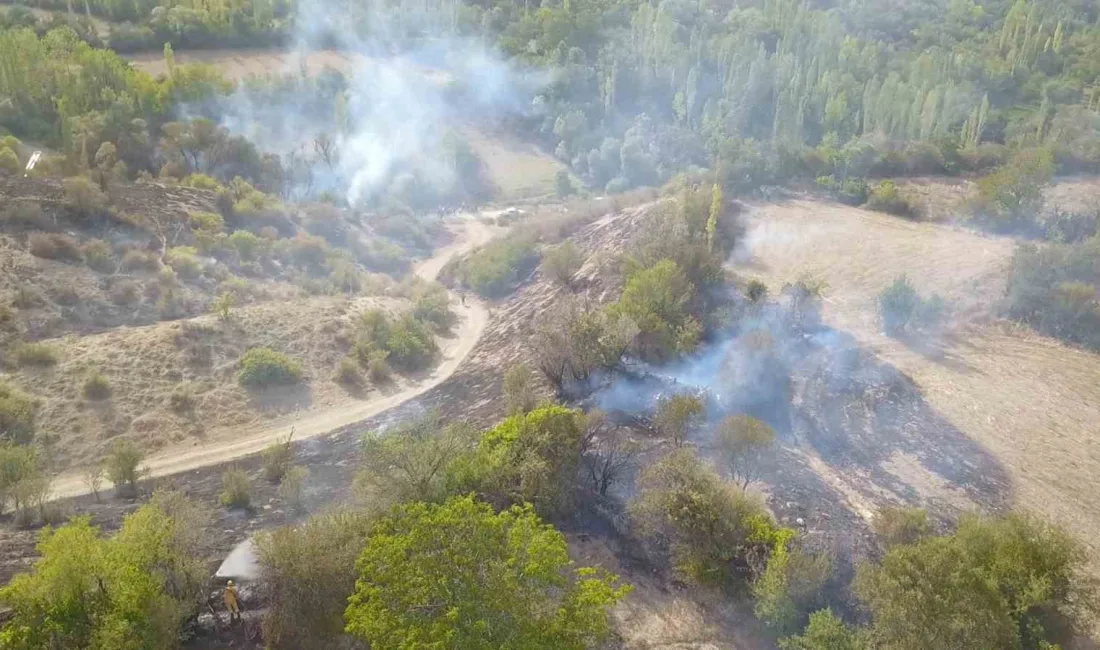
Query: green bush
pixel 54 246
pixel 183 261
pixel 494 269
pixel 886 197
pixel 432 304
pixel 9 162
pixel 83 198
pixel 261 367
pixel 17 415
pixel 247 245
pixel 122 466
pixel 901 525
pixel 140 260
pixel 181 400
pixel 96 386
pixel 347 372
pixel 411 344
pixel 201 181
pixel 852 191
pixel 98 256
pixel 656 299
pixel 902 309
pixel 562 262
pixel 1011 197
pixel 36 354
pixel 206 221
pixel 277 458
pixel 1053 289
pixel 236 489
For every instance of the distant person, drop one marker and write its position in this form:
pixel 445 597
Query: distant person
pixel 231 602
pixel 462 295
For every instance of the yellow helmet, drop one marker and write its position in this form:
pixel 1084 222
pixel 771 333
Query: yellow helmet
pixel 229 583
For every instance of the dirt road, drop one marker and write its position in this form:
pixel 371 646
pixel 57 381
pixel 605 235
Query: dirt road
pixel 230 444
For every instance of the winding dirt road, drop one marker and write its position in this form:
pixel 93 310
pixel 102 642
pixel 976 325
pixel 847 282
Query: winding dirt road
pixel 232 444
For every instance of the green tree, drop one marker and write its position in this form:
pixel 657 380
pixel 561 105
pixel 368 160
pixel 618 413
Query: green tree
pixel 742 443
pixel 1010 582
pixel 460 575
pixel 17 416
pixel 122 466
pixel 410 460
pixel 825 632
pixel 656 300
pixel 562 262
pixel 901 525
pixel 9 162
pixel 712 530
pixel 518 389
pixel 677 415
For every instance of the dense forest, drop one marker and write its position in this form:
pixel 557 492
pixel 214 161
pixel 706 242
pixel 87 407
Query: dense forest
pixel 764 90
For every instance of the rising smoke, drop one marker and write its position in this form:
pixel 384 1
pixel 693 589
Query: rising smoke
pixel 396 118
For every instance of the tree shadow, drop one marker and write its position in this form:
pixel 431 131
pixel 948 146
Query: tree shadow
pixel 281 400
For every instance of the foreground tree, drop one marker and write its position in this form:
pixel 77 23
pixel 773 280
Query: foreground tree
pixel 1011 582
pixel 308 573
pixel 132 591
pixel 459 575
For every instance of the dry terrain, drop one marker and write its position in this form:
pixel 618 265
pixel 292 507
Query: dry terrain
pixel 1031 403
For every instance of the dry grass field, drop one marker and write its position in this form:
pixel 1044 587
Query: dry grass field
pixel 1030 402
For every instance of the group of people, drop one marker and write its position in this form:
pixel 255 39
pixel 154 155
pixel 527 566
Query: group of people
pixel 445 210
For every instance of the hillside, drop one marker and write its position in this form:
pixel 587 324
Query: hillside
pixel 150 289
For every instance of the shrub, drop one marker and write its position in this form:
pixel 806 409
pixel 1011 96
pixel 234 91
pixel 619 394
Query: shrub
pixel 183 261
pixel 9 162
pixel 347 373
pixel 411 345
pixel 36 354
pixel 711 529
pixel 140 260
pixel 54 246
pixel 790 586
pixel 901 525
pixel 518 388
pixel 562 262
pixel 656 300
pixel 122 464
pixel 377 366
pixel 247 245
pixel 236 489
pixel 18 466
pixel 97 255
pixel 902 309
pixel 1072 227
pixel 432 304
pixel 181 400
pixel 96 386
pixel 1011 197
pixel 83 198
pixel 886 197
pixel 852 191
pixel 825 632
pixel 17 415
pixel 277 458
pixel 494 269
pixel 27 215
pixel 562 184
pixel 677 415
pixel 206 221
pixel 1007 582
pixel 756 291
pixel 261 367
pixel 201 181
pixel 291 486
pixel 742 442
pixel 126 292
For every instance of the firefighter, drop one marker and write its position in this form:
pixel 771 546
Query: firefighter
pixel 230 598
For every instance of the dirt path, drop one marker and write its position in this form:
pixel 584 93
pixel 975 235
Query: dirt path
pixel 233 443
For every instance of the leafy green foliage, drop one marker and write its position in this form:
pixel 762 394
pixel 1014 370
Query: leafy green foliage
pixel 134 590
pixel 562 262
pixel 309 572
pixel 19 467
pixel 790 586
pixel 528 458
pixel 277 458
pixel 901 525
pixel 494 269
pixel 410 461
pixel 902 309
pixel 1010 582
pixel 1053 289
pixel 742 443
pixel 656 300
pixel 825 632
pixel 122 466
pixel 853 191
pixel 36 354
pixel 17 415
pixel 236 489
pixel 9 162
pixel 1012 196
pixel 677 415
pixel 518 389
pixel 418 586
pixel 407 342
pixel 886 197
pixel 714 533
pixel 96 386
pixel 263 367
